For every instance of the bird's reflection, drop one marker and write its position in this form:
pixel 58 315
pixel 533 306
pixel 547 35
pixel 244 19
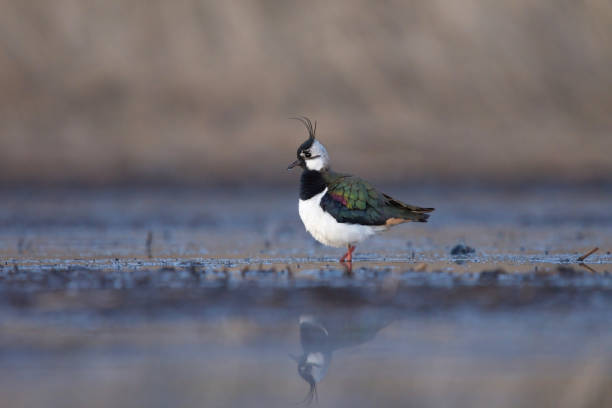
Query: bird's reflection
pixel 321 335
pixel 316 354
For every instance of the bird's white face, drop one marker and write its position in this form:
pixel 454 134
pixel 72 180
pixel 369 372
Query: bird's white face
pixel 316 157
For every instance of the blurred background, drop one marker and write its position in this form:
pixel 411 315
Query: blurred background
pixel 199 92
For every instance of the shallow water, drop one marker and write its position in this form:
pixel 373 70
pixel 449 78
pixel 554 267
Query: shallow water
pixel 198 298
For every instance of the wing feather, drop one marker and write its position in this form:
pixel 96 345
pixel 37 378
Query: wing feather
pixel 350 199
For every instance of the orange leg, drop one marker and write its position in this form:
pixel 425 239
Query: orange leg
pixel 348 257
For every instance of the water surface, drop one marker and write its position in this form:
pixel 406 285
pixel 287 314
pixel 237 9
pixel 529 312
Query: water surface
pixel 219 298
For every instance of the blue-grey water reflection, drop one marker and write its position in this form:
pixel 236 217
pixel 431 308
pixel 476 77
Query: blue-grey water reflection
pixel 321 335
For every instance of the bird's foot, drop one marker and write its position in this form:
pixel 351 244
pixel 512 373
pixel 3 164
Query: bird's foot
pixel 348 257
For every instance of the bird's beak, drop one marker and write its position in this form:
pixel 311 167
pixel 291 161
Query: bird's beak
pixel 292 165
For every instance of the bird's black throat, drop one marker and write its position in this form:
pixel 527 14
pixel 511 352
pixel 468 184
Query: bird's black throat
pixel 311 184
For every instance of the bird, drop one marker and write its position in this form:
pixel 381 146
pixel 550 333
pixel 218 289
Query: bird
pixel 342 210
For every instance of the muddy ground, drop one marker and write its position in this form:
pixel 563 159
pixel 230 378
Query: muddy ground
pixel 186 297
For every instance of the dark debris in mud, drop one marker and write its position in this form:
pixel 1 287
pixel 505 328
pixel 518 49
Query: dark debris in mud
pixel 462 250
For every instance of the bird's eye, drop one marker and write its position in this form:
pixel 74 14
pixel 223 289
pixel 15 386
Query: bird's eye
pixel 307 154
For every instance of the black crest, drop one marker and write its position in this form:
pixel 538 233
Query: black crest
pixel 311 132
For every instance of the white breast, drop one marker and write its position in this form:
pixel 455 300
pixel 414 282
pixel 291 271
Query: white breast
pixel 325 229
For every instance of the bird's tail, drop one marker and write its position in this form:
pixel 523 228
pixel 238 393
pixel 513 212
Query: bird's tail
pixel 416 216
pixel 407 212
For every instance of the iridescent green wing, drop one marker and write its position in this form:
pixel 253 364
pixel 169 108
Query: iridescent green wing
pixel 350 199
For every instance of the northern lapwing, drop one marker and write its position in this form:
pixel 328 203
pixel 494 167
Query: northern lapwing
pixel 341 210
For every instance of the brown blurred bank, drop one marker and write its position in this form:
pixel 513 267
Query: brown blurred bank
pixel 107 92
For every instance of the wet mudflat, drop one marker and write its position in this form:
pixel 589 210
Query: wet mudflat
pixel 127 297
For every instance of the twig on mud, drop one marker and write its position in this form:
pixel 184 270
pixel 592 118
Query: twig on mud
pixel 585 256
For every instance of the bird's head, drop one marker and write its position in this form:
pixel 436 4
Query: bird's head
pixel 311 154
